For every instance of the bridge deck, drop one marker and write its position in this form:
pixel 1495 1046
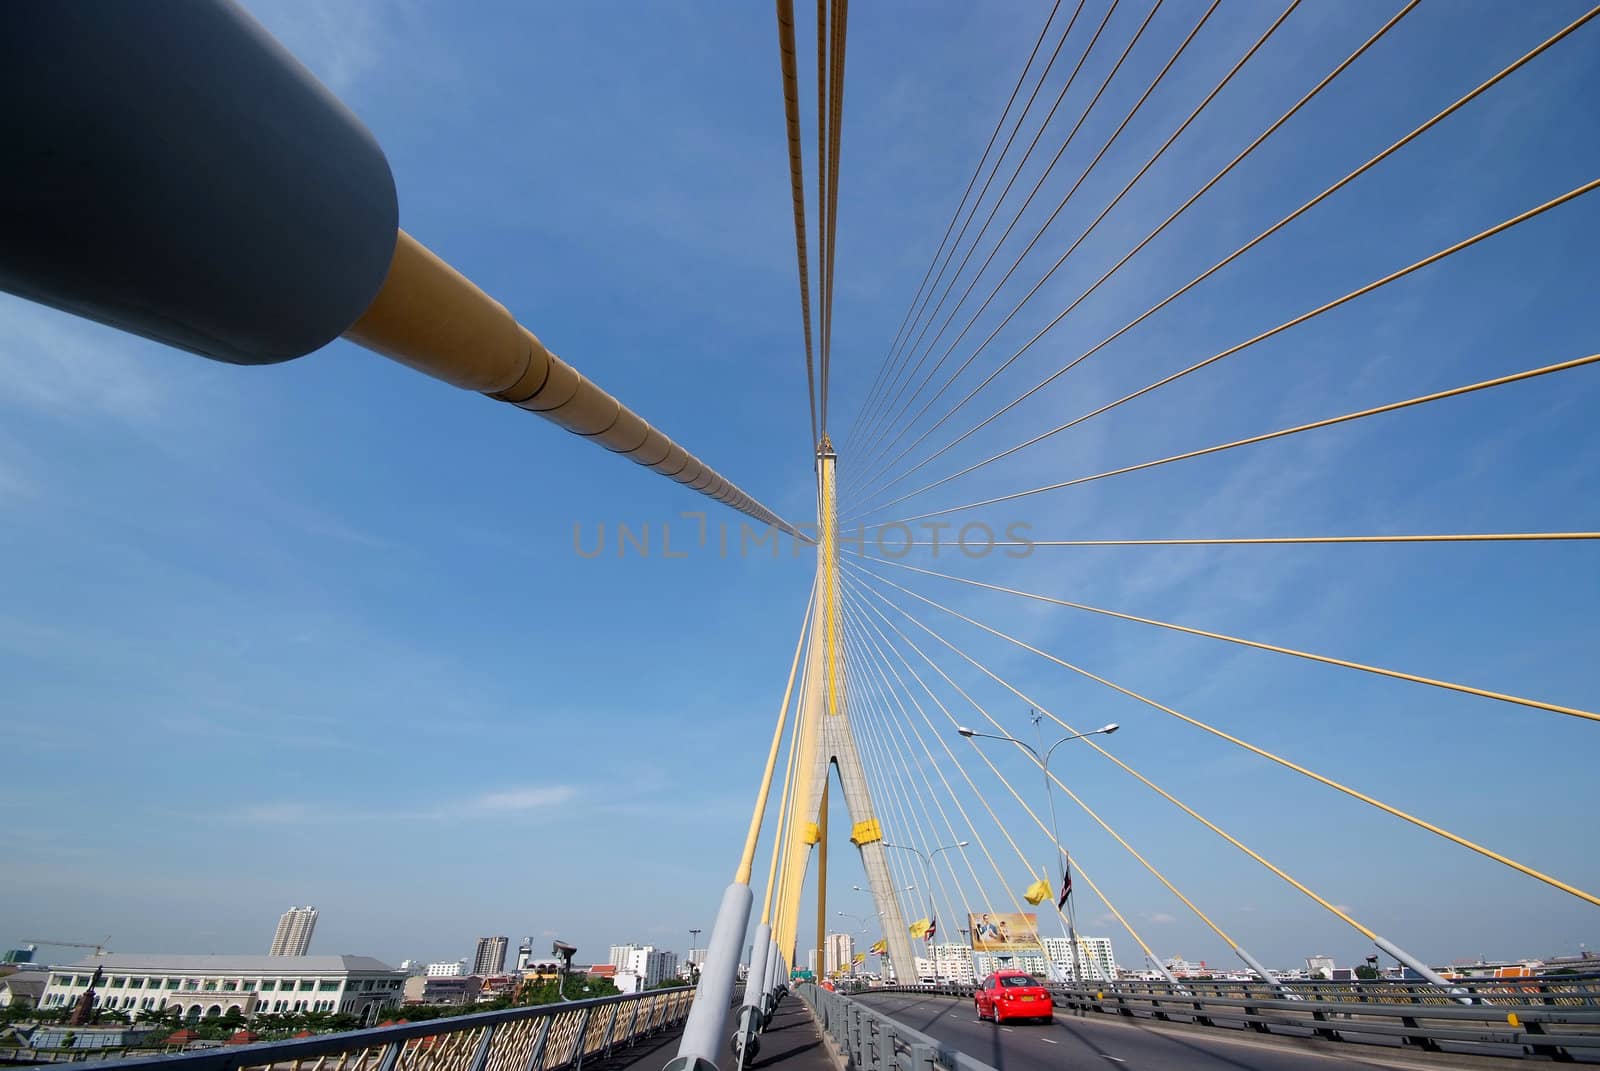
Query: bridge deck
pixel 791 1043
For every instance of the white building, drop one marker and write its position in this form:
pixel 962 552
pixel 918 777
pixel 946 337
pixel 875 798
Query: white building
pixel 1319 963
pixel 293 936
pixel 1099 962
pixel 452 969
pixel 206 987
pixel 841 952
pixel 1031 962
pixel 650 963
pixel 952 963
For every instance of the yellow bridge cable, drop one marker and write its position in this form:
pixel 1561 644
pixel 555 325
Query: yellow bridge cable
pixel 977 793
pixel 1016 263
pixel 880 662
pixel 1537 704
pixel 874 658
pixel 741 876
pixel 791 117
pixel 1191 812
pixel 885 367
pixel 1090 811
pixel 1563 366
pixel 898 760
pixel 772 910
pixel 1037 821
pixel 839 24
pixel 1372 162
pixel 1467 537
pixel 1180 210
pixel 1287 764
pixel 873 445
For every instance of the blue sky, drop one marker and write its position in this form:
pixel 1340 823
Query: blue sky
pixel 317 633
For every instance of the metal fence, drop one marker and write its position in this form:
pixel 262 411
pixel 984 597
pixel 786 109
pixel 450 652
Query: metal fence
pixel 871 1041
pixel 543 1038
pixel 1554 1017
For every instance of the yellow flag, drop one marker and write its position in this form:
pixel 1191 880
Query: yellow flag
pixel 861 957
pixel 880 947
pixel 919 928
pixel 1038 892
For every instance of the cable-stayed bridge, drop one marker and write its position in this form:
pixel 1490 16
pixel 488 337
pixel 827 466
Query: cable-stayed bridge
pixel 916 646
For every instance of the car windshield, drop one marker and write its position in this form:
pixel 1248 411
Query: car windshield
pixel 1014 981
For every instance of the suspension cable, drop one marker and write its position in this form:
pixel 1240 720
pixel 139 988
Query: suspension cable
pixel 1039 233
pixel 1452 686
pixel 1458 537
pixel 881 663
pixel 1343 418
pixel 1286 763
pixel 791 118
pixel 1023 803
pixel 1372 162
pixel 1340 913
pixel 758 814
pixel 757 819
pixel 875 735
pixel 1238 158
pixel 884 365
pixel 905 731
pixel 1361 291
pixel 870 446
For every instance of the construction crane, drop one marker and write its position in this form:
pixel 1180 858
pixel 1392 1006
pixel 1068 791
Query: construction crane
pixel 98 946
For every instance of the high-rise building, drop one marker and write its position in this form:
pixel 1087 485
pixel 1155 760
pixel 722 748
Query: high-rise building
pixel 841 950
pixel 293 937
pixel 491 956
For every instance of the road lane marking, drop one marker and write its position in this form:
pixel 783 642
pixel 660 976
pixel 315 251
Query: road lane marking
pixel 1048 1041
pixel 1114 1059
pixel 1008 1030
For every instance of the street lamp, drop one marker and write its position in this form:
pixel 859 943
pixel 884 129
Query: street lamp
pixel 1049 792
pixel 694 968
pixel 927 864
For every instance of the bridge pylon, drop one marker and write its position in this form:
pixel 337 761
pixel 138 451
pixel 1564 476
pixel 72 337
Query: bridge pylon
pixel 825 708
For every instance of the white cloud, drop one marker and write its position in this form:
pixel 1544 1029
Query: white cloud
pixel 71 368
pixel 1161 918
pixel 529 798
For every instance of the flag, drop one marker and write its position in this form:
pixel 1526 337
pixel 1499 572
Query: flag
pixel 1038 892
pixel 880 947
pixel 921 929
pixel 1066 884
pixel 933 927
pixel 861 957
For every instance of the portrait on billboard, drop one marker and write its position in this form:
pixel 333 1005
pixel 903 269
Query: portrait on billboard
pixel 1004 931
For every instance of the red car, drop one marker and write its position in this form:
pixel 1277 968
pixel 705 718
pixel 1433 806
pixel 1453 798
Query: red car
pixel 1013 995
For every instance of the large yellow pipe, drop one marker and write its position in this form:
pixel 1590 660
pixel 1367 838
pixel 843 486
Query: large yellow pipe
pixel 430 317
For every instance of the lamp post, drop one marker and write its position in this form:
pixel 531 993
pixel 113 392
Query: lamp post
pixel 927 863
pixel 1050 796
pixel 694 968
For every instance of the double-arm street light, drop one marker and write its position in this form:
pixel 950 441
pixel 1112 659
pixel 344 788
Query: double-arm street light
pixel 1044 764
pixel 927 863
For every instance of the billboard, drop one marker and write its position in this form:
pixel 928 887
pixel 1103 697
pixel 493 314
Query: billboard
pixel 1004 931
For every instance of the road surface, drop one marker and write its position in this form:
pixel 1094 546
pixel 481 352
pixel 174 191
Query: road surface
pixel 1135 1045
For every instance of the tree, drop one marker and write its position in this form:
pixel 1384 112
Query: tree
pixel 670 983
pixel 1366 973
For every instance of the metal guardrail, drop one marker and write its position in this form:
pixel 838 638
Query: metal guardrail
pixel 1548 1017
pixel 872 1041
pixel 546 1037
